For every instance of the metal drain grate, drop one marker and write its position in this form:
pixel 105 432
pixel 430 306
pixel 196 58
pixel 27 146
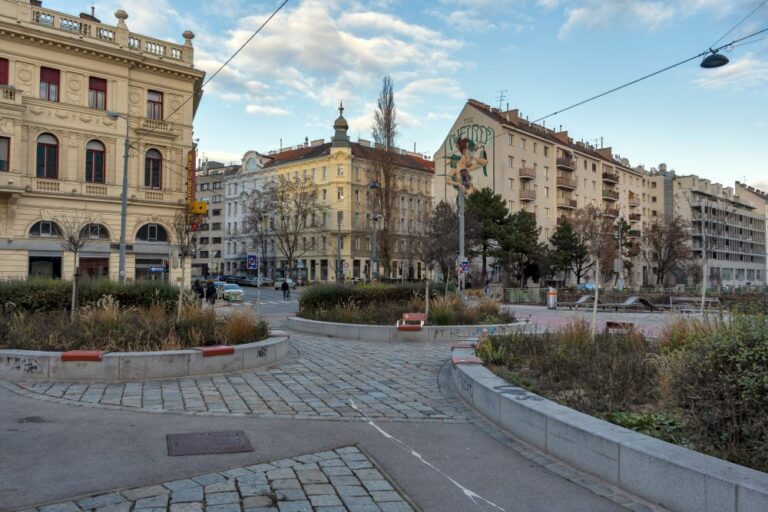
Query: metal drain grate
pixel 208 443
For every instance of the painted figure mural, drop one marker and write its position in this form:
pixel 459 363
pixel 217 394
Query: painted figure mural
pixel 467 156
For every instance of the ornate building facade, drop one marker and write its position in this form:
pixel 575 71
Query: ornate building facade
pixel 61 155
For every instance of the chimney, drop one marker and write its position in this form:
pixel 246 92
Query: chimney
pixel 605 153
pixel 306 142
pixel 563 136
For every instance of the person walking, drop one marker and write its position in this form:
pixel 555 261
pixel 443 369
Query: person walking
pixel 199 290
pixel 286 290
pixel 210 293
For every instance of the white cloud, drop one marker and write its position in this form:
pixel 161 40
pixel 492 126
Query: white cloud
pixel 267 110
pixel 748 71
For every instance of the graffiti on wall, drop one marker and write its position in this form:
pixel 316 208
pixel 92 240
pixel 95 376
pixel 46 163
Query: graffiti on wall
pixel 466 153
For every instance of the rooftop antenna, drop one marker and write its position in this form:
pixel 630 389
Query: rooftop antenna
pixel 93 11
pixel 502 97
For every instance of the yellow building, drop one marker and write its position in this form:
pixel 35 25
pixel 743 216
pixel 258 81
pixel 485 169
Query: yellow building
pixel 61 155
pixel 342 171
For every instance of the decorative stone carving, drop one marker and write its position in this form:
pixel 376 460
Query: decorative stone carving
pixel 12 200
pixel 24 73
pixel 6 126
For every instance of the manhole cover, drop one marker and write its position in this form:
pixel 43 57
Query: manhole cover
pixel 208 443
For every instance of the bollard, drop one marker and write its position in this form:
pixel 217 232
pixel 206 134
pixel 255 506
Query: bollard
pixel 552 298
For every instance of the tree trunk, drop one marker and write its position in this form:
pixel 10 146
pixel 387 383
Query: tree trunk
pixel 73 305
pixel 181 289
pixel 593 329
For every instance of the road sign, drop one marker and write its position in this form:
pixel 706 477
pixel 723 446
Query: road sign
pixel 251 262
pixel 157 269
pixel 300 264
pixel 465 265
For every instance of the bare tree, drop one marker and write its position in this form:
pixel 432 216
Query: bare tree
pixel 76 233
pixel 598 236
pixel 296 211
pixel 184 236
pixel 258 228
pixel 385 171
pixel 666 244
pixel 580 260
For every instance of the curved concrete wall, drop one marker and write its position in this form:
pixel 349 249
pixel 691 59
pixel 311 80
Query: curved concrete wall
pixel 364 332
pixel 679 479
pixel 134 366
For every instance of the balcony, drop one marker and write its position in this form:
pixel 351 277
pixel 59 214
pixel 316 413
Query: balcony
pixel 612 212
pixel 635 217
pixel 566 183
pixel 610 195
pixel 634 201
pixel 10 96
pixel 527 195
pixel 564 202
pixel 634 233
pixel 610 177
pixel 157 128
pixel 566 162
pixel 527 173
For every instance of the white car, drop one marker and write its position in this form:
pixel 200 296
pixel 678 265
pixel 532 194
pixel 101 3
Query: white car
pixel 232 293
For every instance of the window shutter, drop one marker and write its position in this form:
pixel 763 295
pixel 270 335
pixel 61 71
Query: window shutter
pixel 49 75
pixel 3 71
pixel 40 161
pixel 97 84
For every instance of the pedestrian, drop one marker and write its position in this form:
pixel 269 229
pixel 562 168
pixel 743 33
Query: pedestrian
pixel 210 292
pixel 197 287
pixel 286 290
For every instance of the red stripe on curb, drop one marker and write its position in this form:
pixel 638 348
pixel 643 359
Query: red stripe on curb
pixel 412 328
pixel 466 360
pixel 216 350
pixel 81 355
pixel 463 345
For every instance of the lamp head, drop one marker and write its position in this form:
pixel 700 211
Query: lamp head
pixel 112 115
pixel 714 60
pixel 374 185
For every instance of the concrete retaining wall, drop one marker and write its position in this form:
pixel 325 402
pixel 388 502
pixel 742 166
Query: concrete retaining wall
pixel 390 333
pixel 677 478
pixel 133 366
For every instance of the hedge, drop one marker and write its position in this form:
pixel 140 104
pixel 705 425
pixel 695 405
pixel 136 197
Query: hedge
pixel 326 296
pixel 56 294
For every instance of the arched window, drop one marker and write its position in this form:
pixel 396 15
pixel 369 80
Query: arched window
pixel 94 162
pixel 152 233
pixel 250 164
pixel 95 232
pixel 153 165
pixel 47 156
pixel 45 228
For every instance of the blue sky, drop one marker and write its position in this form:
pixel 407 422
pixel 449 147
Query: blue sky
pixel 546 54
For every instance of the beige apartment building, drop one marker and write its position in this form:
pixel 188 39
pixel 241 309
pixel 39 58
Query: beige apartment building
pixel 61 155
pixel 546 172
pixel 537 169
pixel 343 171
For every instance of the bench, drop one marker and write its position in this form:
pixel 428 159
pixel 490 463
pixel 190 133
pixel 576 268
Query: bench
pixel 411 322
pixel 692 303
pixel 474 341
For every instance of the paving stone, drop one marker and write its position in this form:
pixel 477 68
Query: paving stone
pixel 222 498
pixel 263 509
pixel 344 480
pixel 257 501
pixel 360 504
pixel 313 489
pixel 325 500
pixel 359 464
pixel 60 507
pixel 377 485
pixel 337 471
pixel 294 506
pixel 368 474
pixel 213 478
pixel 160 509
pixel 101 501
pixel 252 479
pixel 229 507
pixel 281 474
pixel 351 490
pixel 226 485
pixel 187 495
pixel 152 502
pixel 187 507
pixel 385 496
pixel 311 476
pixel 178 485
pixel 290 495
pixel 255 490
pixel 144 492
pixel 395 507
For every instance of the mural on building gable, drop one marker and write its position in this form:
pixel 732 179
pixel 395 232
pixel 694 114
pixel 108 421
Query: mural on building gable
pixel 466 154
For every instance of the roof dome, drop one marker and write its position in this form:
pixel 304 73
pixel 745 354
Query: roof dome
pixel 340 138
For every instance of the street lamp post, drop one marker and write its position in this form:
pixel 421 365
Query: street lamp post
pixel 338 248
pixel 124 200
pixel 461 241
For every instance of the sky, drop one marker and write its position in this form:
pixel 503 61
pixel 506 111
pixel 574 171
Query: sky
pixel 543 54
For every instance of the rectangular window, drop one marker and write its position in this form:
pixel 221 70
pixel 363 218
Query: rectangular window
pixel 152 173
pixel 522 143
pixel 340 171
pixel 154 105
pixel 152 232
pixel 325 173
pixel 47 160
pixel 546 150
pixel 511 161
pixel 325 194
pixel 535 147
pixel 49 84
pixel 5 154
pixel 94 166
pixel 340 193
pixel 357 197
pixel 511 139
pixel 97 93
pixel 3 71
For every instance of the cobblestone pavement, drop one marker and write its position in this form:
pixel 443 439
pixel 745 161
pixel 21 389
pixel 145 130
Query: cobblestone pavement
pixel 389 381
pixel 341 480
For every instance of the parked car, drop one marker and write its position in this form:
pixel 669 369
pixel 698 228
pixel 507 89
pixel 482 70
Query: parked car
pixel 279 283
pixel 231 279
pixel 231 292
pixel 585 287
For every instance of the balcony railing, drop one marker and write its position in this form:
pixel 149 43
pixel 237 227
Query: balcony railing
pixel 610 195
pixel 117 36
pixel 566 162
pixel 612 212
pixel 527 195
pixel 635 217
pixel 634 201
pixel 10 95
pixel 610 177
pixel 527 173
pixel 565 182
pixel 563 202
